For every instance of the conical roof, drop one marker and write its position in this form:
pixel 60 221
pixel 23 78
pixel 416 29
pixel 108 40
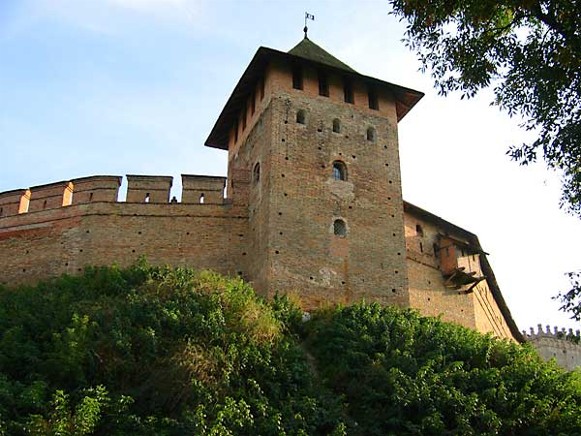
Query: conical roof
pixel 307 49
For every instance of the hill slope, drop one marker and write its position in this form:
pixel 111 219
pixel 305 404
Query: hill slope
pixel 174 351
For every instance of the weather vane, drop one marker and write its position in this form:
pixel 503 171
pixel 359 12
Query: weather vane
pixel 308 17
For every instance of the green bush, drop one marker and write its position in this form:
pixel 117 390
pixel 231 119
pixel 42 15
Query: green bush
pixel 166 351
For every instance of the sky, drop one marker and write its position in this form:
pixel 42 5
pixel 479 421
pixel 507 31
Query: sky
pixel 119 87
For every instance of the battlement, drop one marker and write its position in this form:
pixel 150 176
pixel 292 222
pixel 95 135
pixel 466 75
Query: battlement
pixel 562 345
pixel 140 189
pixel 562 334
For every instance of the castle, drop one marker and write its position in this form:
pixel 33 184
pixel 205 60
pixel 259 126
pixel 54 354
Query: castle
pixel 313 207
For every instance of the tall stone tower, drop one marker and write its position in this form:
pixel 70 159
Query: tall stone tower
pixel 313 153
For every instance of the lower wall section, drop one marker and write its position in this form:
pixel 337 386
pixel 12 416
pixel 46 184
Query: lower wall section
pixel 65 240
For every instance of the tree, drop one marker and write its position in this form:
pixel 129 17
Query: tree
pixel 529 51
pixel 571 300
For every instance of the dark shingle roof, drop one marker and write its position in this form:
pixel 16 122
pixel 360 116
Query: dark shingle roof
pixel 307 49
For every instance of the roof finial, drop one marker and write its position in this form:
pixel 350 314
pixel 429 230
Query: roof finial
pixel 307 17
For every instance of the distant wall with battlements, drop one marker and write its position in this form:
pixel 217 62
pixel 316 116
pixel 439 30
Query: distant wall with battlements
pixel 561 345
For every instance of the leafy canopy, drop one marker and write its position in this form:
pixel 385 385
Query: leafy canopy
pixel 529 51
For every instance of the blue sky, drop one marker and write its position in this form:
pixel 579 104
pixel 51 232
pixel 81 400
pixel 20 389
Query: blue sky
pixel 134 86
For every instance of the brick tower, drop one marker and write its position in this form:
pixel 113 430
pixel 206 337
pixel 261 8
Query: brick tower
pixel 313 153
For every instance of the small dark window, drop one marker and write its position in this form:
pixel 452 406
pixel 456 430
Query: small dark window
pixel 297 78
pixel 348 91
pixel 373 102
pixel 147 198
pixel 256 173
pixel 339 170
pixel 371 134
pixel 419 230
pixel 337 125
pixel 301 117
pixel 339 228
pixel 1 211
pixel 91 196
pixel 323 84
pixel 201 198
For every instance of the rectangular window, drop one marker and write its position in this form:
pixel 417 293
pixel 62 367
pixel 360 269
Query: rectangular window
pixel 297 77
pixel 348 91
pixel 323 84
pixel 373 102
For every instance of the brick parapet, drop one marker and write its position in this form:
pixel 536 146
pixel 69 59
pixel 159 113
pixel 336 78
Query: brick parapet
pixel 562 345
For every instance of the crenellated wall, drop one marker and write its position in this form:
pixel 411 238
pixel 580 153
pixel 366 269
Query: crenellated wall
pixel 75 223
pixel 563 346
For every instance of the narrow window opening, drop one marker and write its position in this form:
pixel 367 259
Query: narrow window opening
pixel 348 91
pixel 323 84
pixel 371 134
pixel 256 173
pixel 147 198
pixel 44 204
pixel 301 117
pixel 421 247
pixel 261 88
pixel 339 170
pixel 336 125
pixel 90 197
pixel 339 228
pixel 372 97
pixel 1 211
pixel 202 198
pixel 297 78
pixel 419 230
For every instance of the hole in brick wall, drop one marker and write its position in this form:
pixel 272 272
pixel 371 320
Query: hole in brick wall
pixel 346 136
pixel 27 251
pixel 385 146
pixel 23 269
pixel 390 182
pixel 282 175
pixel 187 233
pixel 319 129
pixel 244 253
pixel 396 271
pixel 280 213
pixel 343 282
pixel 1 211
pixel 239 273
pixel 320 148
pixel 353 156
pixel 285 194
pixel 429 282
pixel 44 204
pixel 283 140
pixel 79 269
pixel 392 215
pixel 399 254
pixel 421 247
pixel 91 196
pixel 286 121
pixel 276 252
pixel 139 232
pixel 323 166
pixel 389 198
pixel 241 235
pixel 386 164
pixel 133 251
pixel 429 299
pixel 312 278
pixel 393 290
pixel 350 207
pixel 66 264
pixel 88 231
pixel 393 234
pixel 81 250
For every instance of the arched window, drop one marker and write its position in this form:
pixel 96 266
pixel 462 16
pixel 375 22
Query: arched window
pixel 337 125
pixel 419 230
pixel 202 198
pixel 339 228
pixel 256 173
pixel 371 134
pixel 147 198
pixel 301 117
pixel 339 170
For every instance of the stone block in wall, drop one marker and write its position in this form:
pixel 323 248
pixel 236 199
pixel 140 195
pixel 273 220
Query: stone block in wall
pixel 203 189
pixel 50 196
pixel 14 202
pixel 96 188
pixel 148 189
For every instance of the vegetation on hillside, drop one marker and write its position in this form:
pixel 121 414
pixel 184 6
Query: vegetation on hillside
pixel 173 351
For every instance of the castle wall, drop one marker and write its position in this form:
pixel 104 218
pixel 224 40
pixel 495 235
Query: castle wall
pixel 564 347
pixel 50 242
pixel 427 286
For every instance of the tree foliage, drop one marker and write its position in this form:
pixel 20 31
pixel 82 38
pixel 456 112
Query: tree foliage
pixel 173 351
pixel 571 300
pixel 529 51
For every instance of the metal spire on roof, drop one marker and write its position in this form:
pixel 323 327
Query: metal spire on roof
pixel 307 17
